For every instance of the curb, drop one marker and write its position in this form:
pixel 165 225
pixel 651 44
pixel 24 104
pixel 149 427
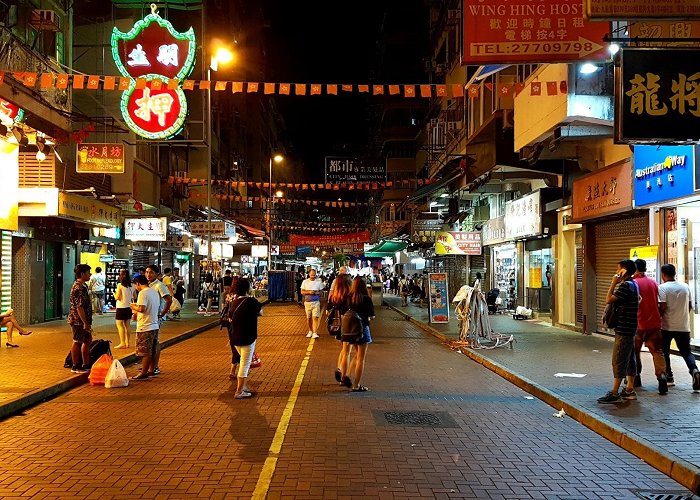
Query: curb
pixel 668 463
pixel 37 396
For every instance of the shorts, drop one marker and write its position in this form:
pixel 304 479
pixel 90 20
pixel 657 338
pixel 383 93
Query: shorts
pixel 623 359
pixel 313 308
pixel 123 314
pixel 146 343
pixel 81 335
pixel 366 337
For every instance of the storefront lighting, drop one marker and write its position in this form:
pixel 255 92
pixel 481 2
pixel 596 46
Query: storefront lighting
pixel 613 49
pixel 588 68
pixel 279 194
pixel 40 156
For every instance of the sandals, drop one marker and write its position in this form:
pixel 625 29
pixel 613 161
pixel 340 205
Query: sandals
pixel 28 333
pixel 338 375
pixel 7 344
pixel 360 388
pixel 140 376
pixel 346 382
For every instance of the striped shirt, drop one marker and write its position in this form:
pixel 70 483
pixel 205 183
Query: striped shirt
pixel 628 299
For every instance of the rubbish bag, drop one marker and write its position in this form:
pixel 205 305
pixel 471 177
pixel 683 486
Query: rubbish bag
pixel 116 376
pixel 99 370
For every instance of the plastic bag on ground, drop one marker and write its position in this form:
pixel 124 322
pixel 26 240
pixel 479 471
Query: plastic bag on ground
pixel 99 370
pixel 116 376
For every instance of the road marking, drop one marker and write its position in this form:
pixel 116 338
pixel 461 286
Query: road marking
pixel 268 470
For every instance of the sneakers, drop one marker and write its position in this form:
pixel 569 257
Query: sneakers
pixel 637 381
pixel 628 395
pixel 156 371
pixel 669 381
pixel 663 384
pixel 243 395
pixel 610 398
pixel 314 336
pixel 696 380
pixel 79 369
pixel 309 335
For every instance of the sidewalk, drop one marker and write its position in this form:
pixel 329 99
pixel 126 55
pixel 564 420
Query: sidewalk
pixel 662 430
pixel 34 371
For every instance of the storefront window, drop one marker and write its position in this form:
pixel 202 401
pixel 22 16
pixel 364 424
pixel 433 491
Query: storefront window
pixel 540 266
pixel 504 274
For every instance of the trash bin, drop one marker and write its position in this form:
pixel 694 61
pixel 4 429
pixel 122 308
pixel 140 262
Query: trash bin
pixel 377 294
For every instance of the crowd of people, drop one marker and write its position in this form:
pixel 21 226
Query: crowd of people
pixel 413 288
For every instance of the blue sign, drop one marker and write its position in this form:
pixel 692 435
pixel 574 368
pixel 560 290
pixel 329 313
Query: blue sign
pixel 303 250
pixel 663 173
pixel 438 300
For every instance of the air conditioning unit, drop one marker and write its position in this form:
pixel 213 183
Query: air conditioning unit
pixel 454 125
pixel 45 20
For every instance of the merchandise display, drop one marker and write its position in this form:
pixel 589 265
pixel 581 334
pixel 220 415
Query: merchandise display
pixel 112 279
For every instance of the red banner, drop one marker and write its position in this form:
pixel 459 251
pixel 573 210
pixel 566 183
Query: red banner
pixel 515 31
pixel 331 240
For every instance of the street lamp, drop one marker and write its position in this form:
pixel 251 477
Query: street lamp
pixel 221 56
pixel 277 159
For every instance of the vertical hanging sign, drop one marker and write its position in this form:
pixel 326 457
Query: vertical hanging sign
pixel 154 52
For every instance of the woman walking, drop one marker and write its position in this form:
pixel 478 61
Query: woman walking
pixel 208 293
pixel 243 332
pixel 124 294
pixel 337 299
pixel 359 301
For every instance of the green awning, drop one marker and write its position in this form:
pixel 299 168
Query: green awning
pixel 386 249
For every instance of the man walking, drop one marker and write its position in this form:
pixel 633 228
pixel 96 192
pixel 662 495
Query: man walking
pixel 311 290
pixel 626 297
pixel 649 327
pixel 146 310
pixel 97 288
pixel 404 290
pixel 675 306
pixel 164 306
pixel 80 319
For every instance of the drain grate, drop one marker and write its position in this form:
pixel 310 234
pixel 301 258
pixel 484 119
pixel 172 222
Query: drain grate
pixel 434 419
pixel 663 495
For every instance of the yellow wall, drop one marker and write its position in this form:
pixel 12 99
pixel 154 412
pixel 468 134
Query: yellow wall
pixel 93 259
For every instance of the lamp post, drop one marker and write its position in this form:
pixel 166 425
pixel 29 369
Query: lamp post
pixel 222 56
pixel 277 159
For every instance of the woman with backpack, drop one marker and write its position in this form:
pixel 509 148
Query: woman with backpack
pixel 360 302
pixel 337 306
pixel 243 333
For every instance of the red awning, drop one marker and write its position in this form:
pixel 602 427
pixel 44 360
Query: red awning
pixel 251 231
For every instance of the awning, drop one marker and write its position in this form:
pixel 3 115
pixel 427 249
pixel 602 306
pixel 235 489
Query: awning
pixel 486 71
pixel 386 249
pixel 251 231
pixel 434 187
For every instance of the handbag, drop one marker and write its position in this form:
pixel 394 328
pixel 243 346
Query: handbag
pixel 334 321
pixel 256 362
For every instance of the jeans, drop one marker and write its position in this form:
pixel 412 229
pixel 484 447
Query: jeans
pixel 652 338
pixel 623 360
pixel 683 343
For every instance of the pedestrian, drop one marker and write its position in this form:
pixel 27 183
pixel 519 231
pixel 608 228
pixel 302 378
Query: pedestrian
pixel 164 306
pixel 97 289
pixel 140 270
pixel 359 301
pixel 125 296
pixel 167 280
pixel 299 279
pixel 208 293
pixel 394 284
pixel 226 282
pixel 179 285
pixel 675 305
pixel 311 290
pixel 404 290
pixel 649 327
pixel 625 296
pixel 9 321
pixel 243 333
pixel 337 299
pixel 147 326
pixel 80 320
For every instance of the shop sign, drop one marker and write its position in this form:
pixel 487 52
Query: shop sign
pixel 10 113
pixel 458 243
pixel 303 250
pixel 99 158
pixel 604 192
pixel 651 255
pixel 514 31
pixel 218 228
pixel 640 9
pixel 663 173
pixel 341 170
pixel 330 240
pixel 494 231
pixel 152 54
pixel 107 258
pixel 9 191
pixel 259 251
pixel 665 30
pixel 71 206
pixel 391 227
pixel 182 257
pixel 146 229
pixel 523 217
pixel 287 249
pixel 113 233
pixel 657 96
pixel 247 259
pixel 180 242
pixel 437 298
pixel 425 230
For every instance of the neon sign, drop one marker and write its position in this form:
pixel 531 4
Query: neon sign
pixel 153 51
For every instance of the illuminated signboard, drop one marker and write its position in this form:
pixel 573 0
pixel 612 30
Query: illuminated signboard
pixel 10 113
pixel 100 157
pixel 153 51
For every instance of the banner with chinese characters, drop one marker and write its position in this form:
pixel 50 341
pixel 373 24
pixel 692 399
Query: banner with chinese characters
pixel 606 191
pixel 335 240
pixel 100 158
pixel 458 243
pixel 663 173
pixel 514 31
pixel 146 229
pixel 494 231
pixel 354 170
pixel 523 217
pixel 218 228
pixel 657 96
pixel 424 229
pixel 655 28
pixel 72 206
pixel 437 298
pixel 624 10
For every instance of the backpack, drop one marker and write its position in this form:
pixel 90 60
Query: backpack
pixel 334 321
pixel 351 327
pixel 97 349
pixel 405 288
pixel 612 312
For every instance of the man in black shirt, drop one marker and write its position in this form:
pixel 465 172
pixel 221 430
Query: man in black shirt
pixel 624 365
pixel 226 282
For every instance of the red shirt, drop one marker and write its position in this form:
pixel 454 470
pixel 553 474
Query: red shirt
pixel 648 317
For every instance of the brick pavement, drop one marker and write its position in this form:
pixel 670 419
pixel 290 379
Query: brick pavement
pixel 183 434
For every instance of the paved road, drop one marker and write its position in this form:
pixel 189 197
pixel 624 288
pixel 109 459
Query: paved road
pixel 183 435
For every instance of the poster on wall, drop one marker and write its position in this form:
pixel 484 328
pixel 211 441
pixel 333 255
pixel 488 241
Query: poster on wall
pixel 437 298
pixel 651 255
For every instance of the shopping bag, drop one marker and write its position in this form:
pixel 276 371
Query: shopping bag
pixel 256 362
pixel 116 376
pixel 99 370
pixel 175 306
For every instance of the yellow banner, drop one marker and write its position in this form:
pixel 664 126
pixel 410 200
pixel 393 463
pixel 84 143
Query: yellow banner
pixel 88 210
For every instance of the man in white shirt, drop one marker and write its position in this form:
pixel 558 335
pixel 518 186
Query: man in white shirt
pixel 311 290
pixel 163 307
pixel 97 288
pixel 675 306
pixel 146 310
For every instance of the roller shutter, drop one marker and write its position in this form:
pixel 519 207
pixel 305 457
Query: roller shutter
pixel 613 240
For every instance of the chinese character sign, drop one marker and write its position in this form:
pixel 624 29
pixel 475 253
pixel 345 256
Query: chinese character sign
pixel 625 10
pixel 604 192
pixel 458 243
pixel 344 170
pixel 102 158
pixel 658 96
pixel 663 173
pixel 146 229
pixel 155 51
pixel 523 216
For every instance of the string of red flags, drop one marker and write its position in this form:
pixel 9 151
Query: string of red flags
pixel 121 84
pixel 358 186
pixel 281 201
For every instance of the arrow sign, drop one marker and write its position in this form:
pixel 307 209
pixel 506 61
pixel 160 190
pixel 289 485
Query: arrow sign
pixel 579 49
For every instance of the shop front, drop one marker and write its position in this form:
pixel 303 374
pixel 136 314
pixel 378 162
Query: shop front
pixel 500 259
pixel 146 235
pixel 9 220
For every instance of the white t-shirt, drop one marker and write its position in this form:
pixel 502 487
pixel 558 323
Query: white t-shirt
pixel 162 290
pixel 676 295
pixel 127 295
pixel 97 282
pixel 314 286
pixel 148 319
